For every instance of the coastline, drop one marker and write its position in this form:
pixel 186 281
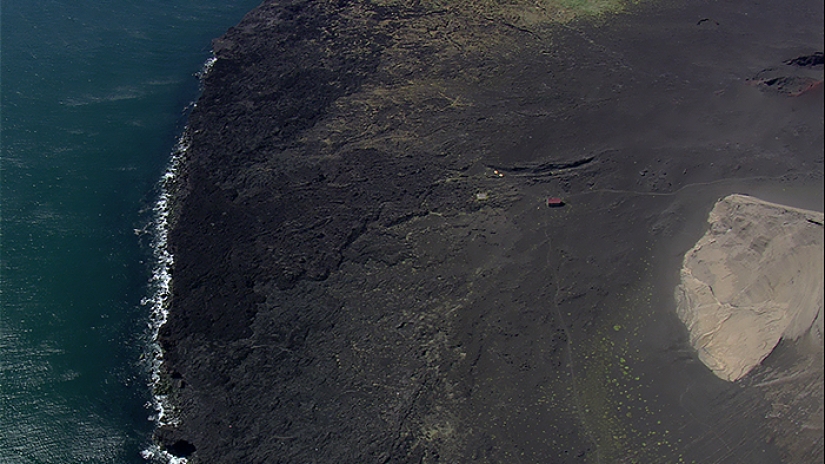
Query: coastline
pixel 164 406
pixel 339 267
pixel 158 302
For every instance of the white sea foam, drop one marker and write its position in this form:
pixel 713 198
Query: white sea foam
pixel 161 287
pixel 207 67
pixel 161 290
pixel 154 453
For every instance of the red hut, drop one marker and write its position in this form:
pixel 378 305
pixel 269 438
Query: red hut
pixel 555 202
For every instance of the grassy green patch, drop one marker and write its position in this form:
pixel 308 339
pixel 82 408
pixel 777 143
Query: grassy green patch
pixel 620 418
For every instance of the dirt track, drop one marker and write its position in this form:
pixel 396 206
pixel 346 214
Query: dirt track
pixel 343 294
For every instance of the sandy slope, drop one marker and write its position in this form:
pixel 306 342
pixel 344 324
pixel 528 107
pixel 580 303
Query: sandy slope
pixel 754 278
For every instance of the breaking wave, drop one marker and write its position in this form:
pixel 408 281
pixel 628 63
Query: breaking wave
pixel 158 302
pixel 161 291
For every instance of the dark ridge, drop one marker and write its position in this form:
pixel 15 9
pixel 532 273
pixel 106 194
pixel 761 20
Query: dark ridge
pixel 543 168
pixel 707 20
pixel 792 86
pixel 807 61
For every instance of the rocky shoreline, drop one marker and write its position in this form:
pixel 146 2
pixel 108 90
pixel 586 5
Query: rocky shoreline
pixel 365 266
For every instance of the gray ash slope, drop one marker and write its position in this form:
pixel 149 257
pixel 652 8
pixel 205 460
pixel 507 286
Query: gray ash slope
pixel 341 294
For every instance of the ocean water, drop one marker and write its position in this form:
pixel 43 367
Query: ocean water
pixel 94 97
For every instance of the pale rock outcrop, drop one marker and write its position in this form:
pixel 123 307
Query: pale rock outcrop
pixel 754 278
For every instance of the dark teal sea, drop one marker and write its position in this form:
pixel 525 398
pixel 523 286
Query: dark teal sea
pixel 94 96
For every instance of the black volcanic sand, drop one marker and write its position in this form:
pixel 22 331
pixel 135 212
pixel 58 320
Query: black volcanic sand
pixel 366 269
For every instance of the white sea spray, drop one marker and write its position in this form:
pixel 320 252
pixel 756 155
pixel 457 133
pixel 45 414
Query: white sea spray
pixel 207 66
pixel 161 288
pixel 161 291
